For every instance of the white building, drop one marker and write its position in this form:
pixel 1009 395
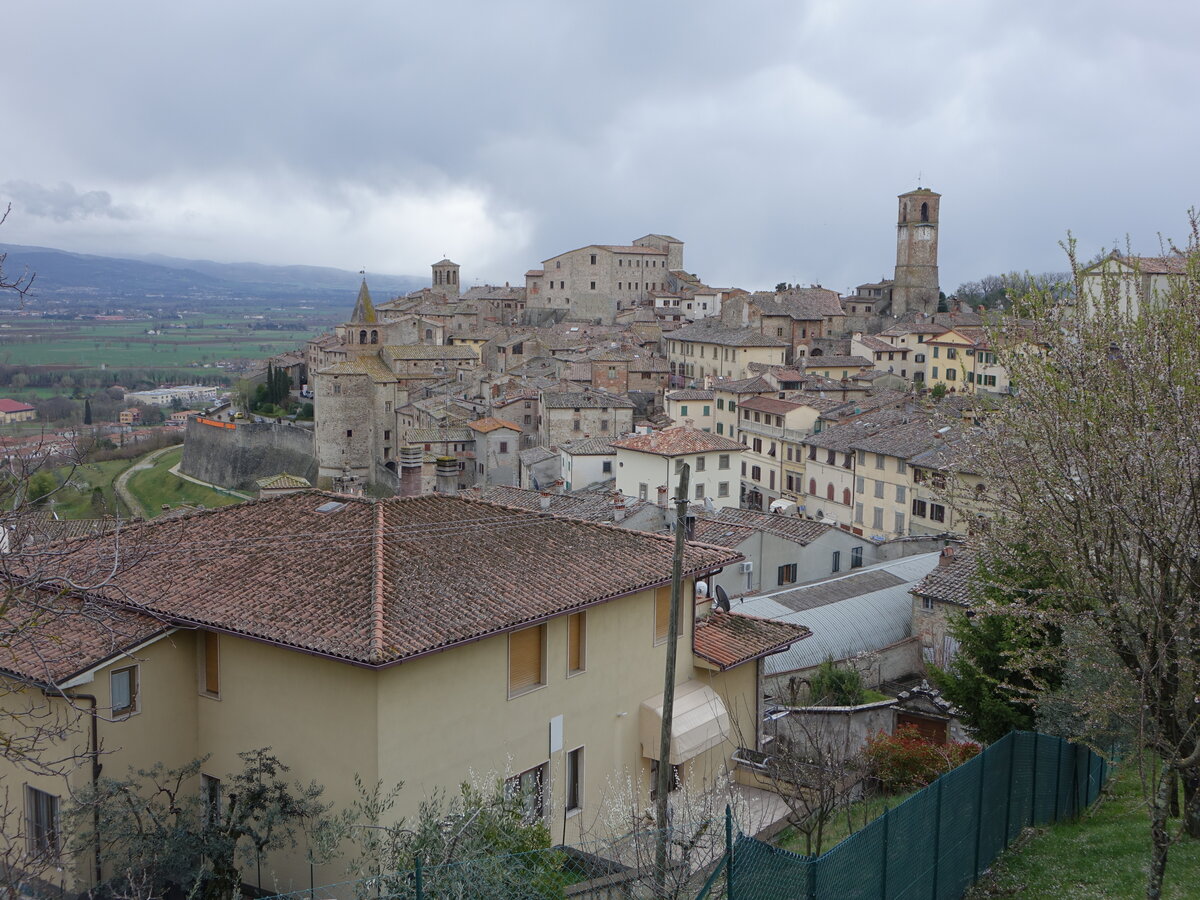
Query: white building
pixel 586 462
pixel 647 461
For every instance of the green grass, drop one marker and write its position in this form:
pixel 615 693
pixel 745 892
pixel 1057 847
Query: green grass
pixel 156 486
pixel 1103 854
pixel 840 827
pixel 74 500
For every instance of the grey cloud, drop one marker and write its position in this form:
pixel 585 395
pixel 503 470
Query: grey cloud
pixel 64 203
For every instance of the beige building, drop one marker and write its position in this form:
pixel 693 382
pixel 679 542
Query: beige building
pixel 709 350
pixel 1127 282
pixel 772 429
pixel 358 639
pixel 646 462
pixel 692 407
pixel 16 411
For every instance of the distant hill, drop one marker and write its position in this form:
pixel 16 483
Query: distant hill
pixel 68 280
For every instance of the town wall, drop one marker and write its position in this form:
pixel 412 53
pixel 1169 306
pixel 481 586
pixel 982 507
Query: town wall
pixel 235 457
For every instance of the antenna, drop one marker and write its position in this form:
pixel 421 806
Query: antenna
pixel 722 601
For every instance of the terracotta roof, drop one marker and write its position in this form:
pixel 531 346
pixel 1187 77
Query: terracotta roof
pixel 754 385
pixel 376 582
pixel 589 506
pixel 1157 265
pixel 729 639
pixel 848 435
pixel 14 406
pixel 678 441
pixel 491 423
pixel 793 528
pixel 951 579
pixel 429 351
pixel 904 440
pixel 690 394
pixel 847 362
pixel 707 333
pixel 48 639
pixel 873 343
pixel 535 455
pixel 282 481
pixel 535 273
pixel 583 400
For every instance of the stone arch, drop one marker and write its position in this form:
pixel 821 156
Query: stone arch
pixel 817 351
pixel 924 212
pixel 374 336
pixel 362 336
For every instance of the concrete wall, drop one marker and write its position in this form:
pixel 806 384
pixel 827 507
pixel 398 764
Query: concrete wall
pixel 236 457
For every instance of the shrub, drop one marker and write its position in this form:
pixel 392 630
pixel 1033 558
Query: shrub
pixel 833 686
pixel 905 760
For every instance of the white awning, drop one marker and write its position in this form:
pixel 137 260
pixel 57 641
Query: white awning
pixel 699 722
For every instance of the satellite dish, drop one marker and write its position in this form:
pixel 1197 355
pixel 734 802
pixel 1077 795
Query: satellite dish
pixel 722 601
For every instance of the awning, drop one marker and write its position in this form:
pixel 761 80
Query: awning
pixel 699 722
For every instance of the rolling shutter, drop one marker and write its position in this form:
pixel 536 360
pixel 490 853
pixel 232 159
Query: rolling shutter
pixel 525 658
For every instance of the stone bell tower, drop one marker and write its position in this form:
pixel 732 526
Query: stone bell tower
pixel 916 284
pixel 445 278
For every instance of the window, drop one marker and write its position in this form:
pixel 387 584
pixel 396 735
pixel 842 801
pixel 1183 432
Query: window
pixel 856 557
pixel 723 461
pixel 576 643
pixel 935 371
pixel 576 425
pixel 756 473
pixel 812 486
pixel 720 428
pixel 337 388
pixel 771 449
pixel 901 467
pixel 530 788
pixel 837 561
pixel 528 420
pixel 879 489
pixel 504 446
pixel 829 491
pixel 918 508
pixel 526 660
pixel 937 512
pixel 720 403
pixel 123 687
pixel 606 467
pixel 662 614
pixel 604 424
pixel 900 523
pixel 574 779
pixel 951 353
pixel 593 259
pixel 700 491
pixel 210 796
pixel 210 664
pixel 858 513
pixel 879 458
pixel 877 518
pixel 700 463
pixel 935 352
pixel 41 825
pixel 349 432
pixel 860 484
pixel 593 284
pixel 787 574
pixel 643 491
pixel 862 457
pixel 927 603
pixel 900 493
pixel 758 445
pixel 723 489
pixel 846 496
pixel 831 458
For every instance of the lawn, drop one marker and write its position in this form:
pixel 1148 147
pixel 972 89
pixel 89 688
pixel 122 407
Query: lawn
pixel 1103 854
pixel 845 823
pixel 156 487
pixel 74 500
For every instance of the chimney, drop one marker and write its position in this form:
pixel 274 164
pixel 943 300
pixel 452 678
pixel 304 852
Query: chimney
pixel 618 506
pixel 544 500
pixel 447 474
pixel 662 496
pixel 947 556
pixel 559 485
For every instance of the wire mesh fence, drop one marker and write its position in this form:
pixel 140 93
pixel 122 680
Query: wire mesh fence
pixel 933 845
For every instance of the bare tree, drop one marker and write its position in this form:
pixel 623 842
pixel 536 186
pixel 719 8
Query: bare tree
pixel 1094 469
pixel 19 284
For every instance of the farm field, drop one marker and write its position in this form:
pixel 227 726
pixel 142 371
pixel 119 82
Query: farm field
pixel 125 345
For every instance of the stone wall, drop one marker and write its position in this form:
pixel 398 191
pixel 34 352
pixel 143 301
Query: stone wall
pixel 236 457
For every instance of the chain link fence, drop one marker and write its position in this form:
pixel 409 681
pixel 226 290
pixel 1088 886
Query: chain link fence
pixel 933 845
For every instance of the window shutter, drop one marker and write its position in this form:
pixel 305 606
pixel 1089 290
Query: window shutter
pixel 575 639
pixel 212 671
pixel 662 613
pixel 525 658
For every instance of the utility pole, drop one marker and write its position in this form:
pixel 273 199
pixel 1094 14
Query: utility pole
pixel 663 782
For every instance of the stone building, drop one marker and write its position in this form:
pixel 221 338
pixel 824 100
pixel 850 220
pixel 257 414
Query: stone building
pixel 571 415
pixel 594 283
pixel 915 287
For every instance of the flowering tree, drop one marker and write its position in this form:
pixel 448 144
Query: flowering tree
pixel 1094 466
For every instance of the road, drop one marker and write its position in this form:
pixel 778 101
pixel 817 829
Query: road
pixel 121 488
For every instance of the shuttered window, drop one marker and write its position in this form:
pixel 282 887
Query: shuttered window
pixel 212 663
pixel 662 613
pixel 525 659
pixel 576 643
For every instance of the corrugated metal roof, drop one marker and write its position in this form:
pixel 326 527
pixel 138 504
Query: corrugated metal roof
pixel 843 625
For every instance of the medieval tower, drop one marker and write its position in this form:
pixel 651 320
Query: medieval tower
pixel 916 284
pixel 445 278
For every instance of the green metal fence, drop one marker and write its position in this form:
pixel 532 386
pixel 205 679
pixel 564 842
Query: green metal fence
pixel 938 841
pixel 931 846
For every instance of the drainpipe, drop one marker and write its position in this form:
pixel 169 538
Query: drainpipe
pixel 94 753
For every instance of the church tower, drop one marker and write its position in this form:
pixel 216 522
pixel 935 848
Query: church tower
pixel 445 278
pixel 916 284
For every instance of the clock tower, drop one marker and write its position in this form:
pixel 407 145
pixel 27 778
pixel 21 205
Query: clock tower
pixel 915 288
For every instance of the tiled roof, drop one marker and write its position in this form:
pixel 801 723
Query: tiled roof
pixel 14 406
pixel 772 405
pixel 282 481
pixel 491 423
pixel 678 441
pixel 801 304
pixel 873 343
pixel 755 385
pixel 707 333
pixel 583 400
pixel 433 435
pixel 728 639
pixel 377 582
pixel 847 362
pixel 847 436
pixel 588 506
pixel 535 455
pixel 1158 265
pixel 589 447
pixel 951 579
pixel 48 638
pixel 429 351
pixel 690 394
pixel 903 440
pixel 793 528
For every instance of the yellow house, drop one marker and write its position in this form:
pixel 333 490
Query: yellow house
pixel 948 361
pixel 836 367
pixel 16 411
pixel 424 640
pixel 711 350
pixel 772 429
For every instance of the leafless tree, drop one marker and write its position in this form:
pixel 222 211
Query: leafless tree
pixel 18 284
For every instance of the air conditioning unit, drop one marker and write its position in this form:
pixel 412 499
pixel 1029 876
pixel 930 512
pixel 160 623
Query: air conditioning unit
pixel 747 567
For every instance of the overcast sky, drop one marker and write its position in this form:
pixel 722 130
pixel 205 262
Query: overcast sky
pixel 771 137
